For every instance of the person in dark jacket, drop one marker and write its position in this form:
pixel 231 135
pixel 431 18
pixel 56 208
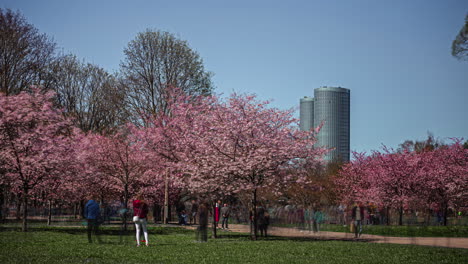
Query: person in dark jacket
pixel 263 220
pixel 202 232
pixel 225 211
pixel 92 214
pixel 140 213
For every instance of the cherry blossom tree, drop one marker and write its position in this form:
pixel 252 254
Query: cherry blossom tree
pixel 115 166
pixel 216 148
pixel 445 177
pixel 34 140
pixel 408 179
pixel 242 145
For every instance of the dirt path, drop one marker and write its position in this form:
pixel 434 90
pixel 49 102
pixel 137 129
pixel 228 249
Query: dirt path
pixel 454 242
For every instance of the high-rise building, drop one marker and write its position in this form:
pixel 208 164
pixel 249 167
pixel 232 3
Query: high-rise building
pixel 330 105
pixel 306 113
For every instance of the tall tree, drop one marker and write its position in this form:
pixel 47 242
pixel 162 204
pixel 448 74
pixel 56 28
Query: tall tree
pixel 88 94
pixel 460 43
pixel 155 61
pixel 445 177
pixel 34 142
pixel 244 146
pixel 25 54
pixel 119 163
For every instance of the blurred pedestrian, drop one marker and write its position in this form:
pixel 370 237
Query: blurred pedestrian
pixel 309 217
pixel 183 217
pixel 318 219
pixel 194 211
pixel 217 213
pixel 263 220
pixel 225 211
pixel 358 217
pixel 202 232
pixel 140 212
pixel 92 213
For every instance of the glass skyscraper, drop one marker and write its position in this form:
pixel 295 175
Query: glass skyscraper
pixel 330 105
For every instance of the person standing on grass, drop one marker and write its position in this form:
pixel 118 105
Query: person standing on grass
pixel 309 217
pixel 263 220
pixel 92 213
pixel 194 211
pixel 202 230
pixel 225 211
pixel 140 212
pixel 358 217
pixel 318 219
pixel 217 212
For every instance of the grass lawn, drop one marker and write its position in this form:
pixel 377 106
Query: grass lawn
pixel 176 245
pixel 401 231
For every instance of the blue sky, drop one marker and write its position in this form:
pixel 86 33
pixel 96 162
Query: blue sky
pixel 393 55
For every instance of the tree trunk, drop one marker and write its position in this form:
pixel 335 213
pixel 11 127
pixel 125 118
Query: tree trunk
pixel 19 202
pixel 156 212
pixel 400 210
pixel 125 207
pixel 25 210
pixel 75 210
pixel 428 217
pixel 82 206
pixel 254 220
pixel 388 215
pixel 2 199
pixel 49 214
pixel 166 198
pixel 162 214
pixel 445 213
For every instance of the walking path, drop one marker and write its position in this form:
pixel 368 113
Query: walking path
pixel 454 242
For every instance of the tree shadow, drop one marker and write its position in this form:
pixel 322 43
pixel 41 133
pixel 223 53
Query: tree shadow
pixel 317 239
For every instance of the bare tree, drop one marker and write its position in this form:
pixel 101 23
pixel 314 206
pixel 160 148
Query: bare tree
pixel 156 60
pixel 428 144
pixel 24 53
pixel 460 43
pixel 89 94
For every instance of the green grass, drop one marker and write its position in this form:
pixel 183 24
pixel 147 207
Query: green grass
pixel 176 245
pixel 406 231
pixel 400 231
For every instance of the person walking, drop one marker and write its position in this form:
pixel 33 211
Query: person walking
pixel 263 220
pixel 140 212
pixel 225 211
pixel 92 214
pixel 318 219
pixel 217 212
pixel 194 211
pixel 202 232
pixel 358 217
pixel 309 218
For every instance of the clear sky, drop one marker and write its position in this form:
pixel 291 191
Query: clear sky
pixel 393 55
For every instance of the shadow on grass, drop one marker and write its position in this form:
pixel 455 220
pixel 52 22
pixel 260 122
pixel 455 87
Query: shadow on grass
pixel 316 239
pixel 104 230
pixel 245 236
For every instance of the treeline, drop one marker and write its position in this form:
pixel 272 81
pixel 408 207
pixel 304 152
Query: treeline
pixel 95 99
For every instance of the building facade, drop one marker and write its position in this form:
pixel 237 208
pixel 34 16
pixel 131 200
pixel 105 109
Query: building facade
pixel 330 105
pixel 306 113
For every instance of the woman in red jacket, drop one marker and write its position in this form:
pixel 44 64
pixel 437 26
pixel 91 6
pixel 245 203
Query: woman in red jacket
pixel 140 212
